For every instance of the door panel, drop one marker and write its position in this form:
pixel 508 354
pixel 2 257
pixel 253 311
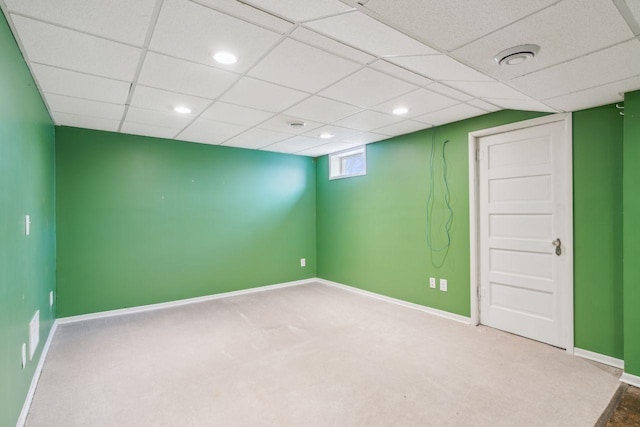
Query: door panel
pixel 520 214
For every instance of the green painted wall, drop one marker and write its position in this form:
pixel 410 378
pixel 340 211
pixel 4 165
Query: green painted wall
pixel 371 229
pixel 146 220
pixel 631 215
pixel 27 264
pixel 597 226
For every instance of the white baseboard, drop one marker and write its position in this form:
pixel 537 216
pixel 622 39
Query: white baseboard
pixel 434 311
pixel 633 380
pixel 36 377
pixel 177 303
pixel 600 358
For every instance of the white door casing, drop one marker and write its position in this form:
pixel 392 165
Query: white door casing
pixel 521 202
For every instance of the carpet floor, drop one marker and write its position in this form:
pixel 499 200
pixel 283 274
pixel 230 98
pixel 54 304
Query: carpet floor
pixel 309 355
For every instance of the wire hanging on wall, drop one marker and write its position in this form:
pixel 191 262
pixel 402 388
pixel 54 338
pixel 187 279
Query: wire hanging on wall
pixel 444 248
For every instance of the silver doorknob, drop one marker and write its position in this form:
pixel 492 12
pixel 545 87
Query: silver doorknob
pixel 558 244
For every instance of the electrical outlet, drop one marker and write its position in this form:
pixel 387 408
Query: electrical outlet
pixel 432 282
pixel 27 225
pixel 443 285
pixel 51 299
pixel 303 262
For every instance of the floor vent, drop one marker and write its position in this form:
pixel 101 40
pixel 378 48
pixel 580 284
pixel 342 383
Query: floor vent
pixel 34 334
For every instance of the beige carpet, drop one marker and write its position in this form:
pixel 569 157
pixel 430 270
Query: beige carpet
pixel 309 355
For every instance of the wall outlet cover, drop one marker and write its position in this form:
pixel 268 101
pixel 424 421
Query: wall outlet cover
pixel 303 262
pixel 443 285
pixel 432 282
pixel 51 299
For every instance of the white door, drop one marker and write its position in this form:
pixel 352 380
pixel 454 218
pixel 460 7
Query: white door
pixel 524 232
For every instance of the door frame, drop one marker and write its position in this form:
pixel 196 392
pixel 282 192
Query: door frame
pixel 566 192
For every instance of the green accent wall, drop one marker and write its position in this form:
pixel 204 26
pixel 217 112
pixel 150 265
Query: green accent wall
pixel 372 229
pixel 631 216
pixel 27 263
pixel 145 220
pixel 597 229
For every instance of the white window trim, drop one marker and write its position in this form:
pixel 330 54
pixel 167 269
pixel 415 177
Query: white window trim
pixel 339 155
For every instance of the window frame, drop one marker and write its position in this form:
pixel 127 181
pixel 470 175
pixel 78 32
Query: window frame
pixel 336 161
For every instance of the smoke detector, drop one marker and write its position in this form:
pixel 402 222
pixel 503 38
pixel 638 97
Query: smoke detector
pixel 296 124
pixel 517 55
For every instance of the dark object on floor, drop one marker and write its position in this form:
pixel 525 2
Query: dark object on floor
pixel 627 410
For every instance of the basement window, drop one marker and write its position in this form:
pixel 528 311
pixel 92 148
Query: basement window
pixel 348 163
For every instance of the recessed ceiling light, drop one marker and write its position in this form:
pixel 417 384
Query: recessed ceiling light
pixel 182 109
pixel 326 135
pixel 517 54
pixel 224 57
pixel 398 111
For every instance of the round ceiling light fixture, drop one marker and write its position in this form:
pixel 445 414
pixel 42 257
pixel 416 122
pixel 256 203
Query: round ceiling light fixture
pixel 224 57
pixel 517 55
pixel 182 109
pixel 296 124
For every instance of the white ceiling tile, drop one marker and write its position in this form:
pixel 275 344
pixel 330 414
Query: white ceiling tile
pixel 448 91
pixel 399 72
pixel 195 32
pixel 261 95
pixel 80 85
pixel 564 31
pixel 451 114
pixel 365 138
pixel 280 123
pixel 235 114
pixel 601 95
pixel 367 88
pixel 402 128
pixel 168 73
pixel 321 109
pixel 418 102
pixel 302 67
pixel 440 67
pixel 360 31
pixel 295 144
pixel 328 148
pixel 301 10
pixel 311 37
pixel 158 118
pixel 162 100
pixel 616 63
pixel 209 131
pixel 367 120
pixel 488 90
pixel 338 132
pixel 484 105
pixel 522 104
pixel 120 20
pixel 57 46
pixel 84 107
pixel 248 13
pixel 146 130
pixel 256 138
pixel 452 23
pixel 87 122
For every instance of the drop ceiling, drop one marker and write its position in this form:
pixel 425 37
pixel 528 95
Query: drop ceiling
pixel 339 66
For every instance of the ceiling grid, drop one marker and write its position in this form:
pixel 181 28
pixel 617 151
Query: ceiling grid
pixel 341 67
